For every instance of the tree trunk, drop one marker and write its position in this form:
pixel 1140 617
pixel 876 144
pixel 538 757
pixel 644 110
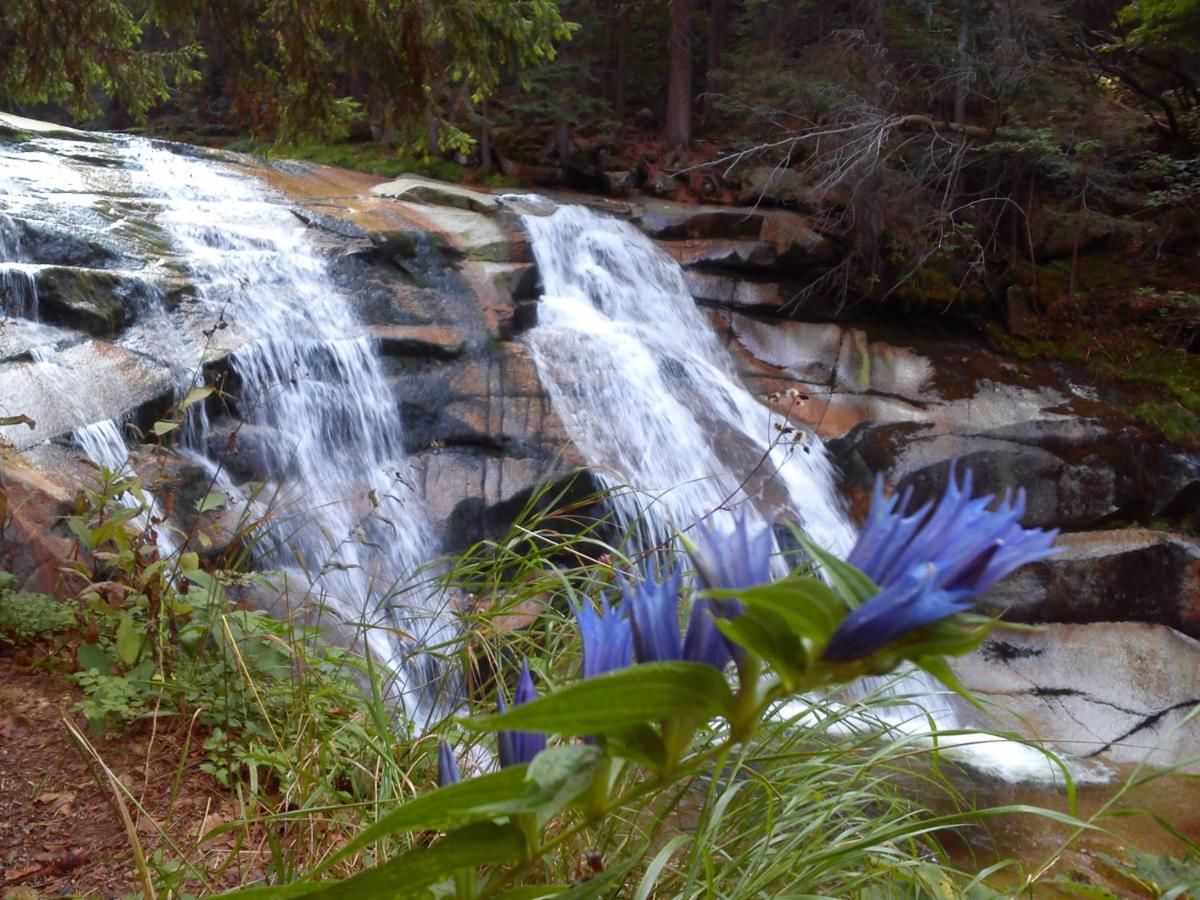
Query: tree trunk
pixel 679 83
pixel 606 58
pixel 718 29
pixel 962 84
pixel 622 74
pixel 485 137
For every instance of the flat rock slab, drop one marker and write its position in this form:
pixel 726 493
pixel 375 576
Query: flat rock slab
pixel 432 341
pixel 1119 691
pixel 416 189
pixel 19 126
pixel 85 382
pixel 477 236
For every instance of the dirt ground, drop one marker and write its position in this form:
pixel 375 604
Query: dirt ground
pixel 61 833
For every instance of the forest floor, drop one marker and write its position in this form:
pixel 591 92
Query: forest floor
pixel 61 833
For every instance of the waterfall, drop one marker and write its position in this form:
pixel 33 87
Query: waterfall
pixel 344 522
pixel 343 507
pixel 651 398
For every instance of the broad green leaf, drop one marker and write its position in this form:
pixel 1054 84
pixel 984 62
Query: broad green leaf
pixel 640 743
pixel 411 873
pixel 806 606
pixel 560 774
pixel 129 640
pixel 160 427
pixel 195 395
pixel 555 777
pixel 210 501
pixel 768 636
pixel 619 700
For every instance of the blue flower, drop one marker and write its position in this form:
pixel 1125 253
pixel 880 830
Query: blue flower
pixel 932 563
pixel 518 747
pixel 607 638
pixel 447 766
pixel 733 559
pixel 654 614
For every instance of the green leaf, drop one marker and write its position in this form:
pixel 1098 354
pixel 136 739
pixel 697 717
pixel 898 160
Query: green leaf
pixel 195 395
pixel 560 774
pixel 554 778
pixel 619 700
pixel 92 656
pixel 855 587
pixel 210 501
pixel 409 874
pixel 532 892
pixel 129 640
pixel 940 669
pixel 160 427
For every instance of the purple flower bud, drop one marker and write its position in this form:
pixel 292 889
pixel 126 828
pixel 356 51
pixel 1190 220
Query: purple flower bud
pixel 518 747
pixel 654 612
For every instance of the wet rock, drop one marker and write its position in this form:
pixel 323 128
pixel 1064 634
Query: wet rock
pixel 732 293
pixel 774 186
pixel 415 189
pixel 751 256
pixel 100 302
pixel 808 353
pixel 78 384
pixel 620 183
pixel 797 244
pixel 476 236
pixel 1077 474
pixel 1119 691
pixel 1124 575
pixel 680 221
pixel 472 493
pixel 18 126
pixel 432 341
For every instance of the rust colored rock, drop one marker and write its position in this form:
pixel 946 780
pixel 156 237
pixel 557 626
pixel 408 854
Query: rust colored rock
pixel 31 547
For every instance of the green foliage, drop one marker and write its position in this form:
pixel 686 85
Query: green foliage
pixel 1163 24
pixel 62 51
pixel 25 616
pixel 278 704
pixel 1175 421
pixel 1162 877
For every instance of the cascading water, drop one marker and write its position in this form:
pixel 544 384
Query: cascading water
pixel 650 397
pixel 343 507
pixel 344 522
pixel 18 289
